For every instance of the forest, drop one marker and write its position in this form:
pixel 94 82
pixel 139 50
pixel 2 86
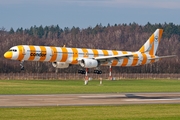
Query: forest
pixel 129 37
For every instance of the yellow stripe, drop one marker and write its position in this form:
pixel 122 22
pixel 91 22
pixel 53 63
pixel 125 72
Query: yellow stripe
pixel 160 34
pixel 21 50
pixel 153 60
pixel 64 54
pixel 144 59
pixel 54 54
pixel 105 52
pixel 85 51
pixel 95 52
pixel 75 55
pixel 135 60
pixel 151 42
pixel 43 50
pixel 115 62
pixel 32 50
pixel 142 49
pixel 125 60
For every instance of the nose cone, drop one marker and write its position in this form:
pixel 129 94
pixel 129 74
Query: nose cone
pixel 8 55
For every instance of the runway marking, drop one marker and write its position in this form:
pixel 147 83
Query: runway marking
pixel 104 96
pixel 152 99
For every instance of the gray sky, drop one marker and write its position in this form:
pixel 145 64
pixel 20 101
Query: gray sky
pixel 85 13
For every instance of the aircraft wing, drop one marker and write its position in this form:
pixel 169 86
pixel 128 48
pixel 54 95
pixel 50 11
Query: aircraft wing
pixel 161 57
pixel 105 58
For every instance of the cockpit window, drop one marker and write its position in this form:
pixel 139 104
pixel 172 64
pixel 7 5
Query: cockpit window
pixel 13 50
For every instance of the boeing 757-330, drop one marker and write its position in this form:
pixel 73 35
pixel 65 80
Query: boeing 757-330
pixel 62 57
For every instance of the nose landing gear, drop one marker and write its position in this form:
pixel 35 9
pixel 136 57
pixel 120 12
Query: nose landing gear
pixel 21 65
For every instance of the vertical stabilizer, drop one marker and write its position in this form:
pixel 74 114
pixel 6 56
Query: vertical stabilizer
pixel 152 43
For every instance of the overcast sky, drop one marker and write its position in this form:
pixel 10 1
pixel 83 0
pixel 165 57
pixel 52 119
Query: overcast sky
pixel 85 13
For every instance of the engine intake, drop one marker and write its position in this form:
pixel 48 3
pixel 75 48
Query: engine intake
pixel 89 63
pixel 60 64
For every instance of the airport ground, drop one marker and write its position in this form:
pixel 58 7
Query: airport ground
pixel 118 112
pixel 121 99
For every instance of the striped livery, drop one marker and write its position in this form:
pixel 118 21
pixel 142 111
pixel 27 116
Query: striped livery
pixel 145 55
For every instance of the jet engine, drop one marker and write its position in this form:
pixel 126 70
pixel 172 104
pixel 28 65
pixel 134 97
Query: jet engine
pixel 89 63
pixel 60 64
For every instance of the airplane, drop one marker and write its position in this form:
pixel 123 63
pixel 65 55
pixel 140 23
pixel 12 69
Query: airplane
pixel 62 57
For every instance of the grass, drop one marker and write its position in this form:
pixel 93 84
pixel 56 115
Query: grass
pixel 123 112
pixel 77 86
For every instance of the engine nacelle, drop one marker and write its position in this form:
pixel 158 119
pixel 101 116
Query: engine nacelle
pixel 89 63
pixel 60 64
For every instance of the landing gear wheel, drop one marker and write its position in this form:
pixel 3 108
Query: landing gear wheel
pixel 97 71
pixel 81 71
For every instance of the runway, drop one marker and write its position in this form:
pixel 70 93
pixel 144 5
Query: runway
pixel 88 99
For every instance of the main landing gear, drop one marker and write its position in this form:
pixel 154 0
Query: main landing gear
pixel 97 71
pixel 81 72
pixel 21 65
pixel 84 71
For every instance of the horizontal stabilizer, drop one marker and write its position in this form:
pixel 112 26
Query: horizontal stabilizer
pixel 162 57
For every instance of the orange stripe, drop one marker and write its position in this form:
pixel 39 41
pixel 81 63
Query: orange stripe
pixel 151 42
pixel 32 50
pixel 75 55
pixel 64 54
pixel 142 49
pixel 153 60
pixel 115 62
pixel 144 59
pixel 43 50
pixel 85 51
pixel 21 50
pixel 54 54
pixel 95 52
pixel 135 59
pixel 151 39
pixel 105 52
pixel 160 34
pixel 125 60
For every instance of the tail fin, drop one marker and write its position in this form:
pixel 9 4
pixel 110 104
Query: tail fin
pixel 152 43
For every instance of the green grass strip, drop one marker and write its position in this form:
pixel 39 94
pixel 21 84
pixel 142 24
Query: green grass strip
pixel 77 86
pixel 123 112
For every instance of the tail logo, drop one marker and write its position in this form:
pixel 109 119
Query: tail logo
pixel 156 38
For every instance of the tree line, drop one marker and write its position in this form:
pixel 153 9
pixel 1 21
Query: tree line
pixel 128 37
